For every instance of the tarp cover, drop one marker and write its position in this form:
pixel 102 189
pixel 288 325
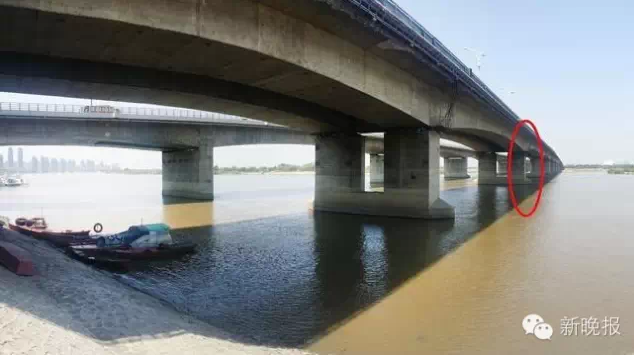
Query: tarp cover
pixel 146 235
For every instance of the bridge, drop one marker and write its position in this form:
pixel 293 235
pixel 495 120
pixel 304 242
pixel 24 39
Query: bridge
pixel 169 130
pixel 335 69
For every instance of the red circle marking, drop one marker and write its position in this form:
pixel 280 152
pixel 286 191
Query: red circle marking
pixel 509 168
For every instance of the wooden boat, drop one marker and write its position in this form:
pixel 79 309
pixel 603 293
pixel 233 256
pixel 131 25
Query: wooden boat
pixel 38 228
pixel 146 242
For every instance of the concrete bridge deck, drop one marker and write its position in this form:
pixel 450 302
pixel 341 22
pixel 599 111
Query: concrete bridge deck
pixel 334 68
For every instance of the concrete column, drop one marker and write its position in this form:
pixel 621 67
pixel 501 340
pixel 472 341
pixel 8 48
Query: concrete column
pixel 412 181
pixel 519 168
pixel 412 174
pixel 502 164
pixel 339 172
pixel 456 168
pixel 376 170
pixel 548 167
pixel 535 168
pixel 487 168
pixel 492 169
pixel 189 173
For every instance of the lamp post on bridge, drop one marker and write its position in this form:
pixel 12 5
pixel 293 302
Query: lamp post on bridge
pixel 478 55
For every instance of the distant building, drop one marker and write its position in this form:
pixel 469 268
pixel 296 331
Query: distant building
pixel 44 165
pixel 1 161
pixel 54 165
pixel 35 167
pixel 20 159
pixel 10 162
pixel 62 165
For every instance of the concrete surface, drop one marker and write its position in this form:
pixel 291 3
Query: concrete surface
pixel 456 168
pixel 313 65
pixel 71 308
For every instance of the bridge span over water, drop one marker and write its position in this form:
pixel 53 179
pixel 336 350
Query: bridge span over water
pixel 336 69
pixel 167 130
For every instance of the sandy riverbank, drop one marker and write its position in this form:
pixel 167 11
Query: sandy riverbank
pixel 72 308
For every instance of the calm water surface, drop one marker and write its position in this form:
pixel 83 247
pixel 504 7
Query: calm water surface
pixel 272 272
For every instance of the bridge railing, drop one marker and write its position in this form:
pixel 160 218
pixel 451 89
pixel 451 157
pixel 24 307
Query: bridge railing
pixel 400 22
pixel 35 109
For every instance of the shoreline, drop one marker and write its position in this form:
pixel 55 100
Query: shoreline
pixel 70 307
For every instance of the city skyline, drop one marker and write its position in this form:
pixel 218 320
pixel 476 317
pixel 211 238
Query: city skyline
pixel 46 164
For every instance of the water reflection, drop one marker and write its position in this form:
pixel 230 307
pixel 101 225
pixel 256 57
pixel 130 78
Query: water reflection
pixel 269 271
pixel 287 280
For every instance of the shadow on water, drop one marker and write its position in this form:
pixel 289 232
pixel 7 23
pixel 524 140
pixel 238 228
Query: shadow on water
pixel 286 280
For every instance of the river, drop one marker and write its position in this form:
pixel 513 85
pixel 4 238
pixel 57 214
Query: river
pixel 271 271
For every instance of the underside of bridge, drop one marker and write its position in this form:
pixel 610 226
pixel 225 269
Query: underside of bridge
pixel 324 67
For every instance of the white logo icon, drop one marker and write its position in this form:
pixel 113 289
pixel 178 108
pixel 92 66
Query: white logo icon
pixel 534 324
pixel 543 331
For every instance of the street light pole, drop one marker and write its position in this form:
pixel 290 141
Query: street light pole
pixel 478 56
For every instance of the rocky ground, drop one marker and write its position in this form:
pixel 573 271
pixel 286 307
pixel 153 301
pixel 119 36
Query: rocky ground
pixel 72 308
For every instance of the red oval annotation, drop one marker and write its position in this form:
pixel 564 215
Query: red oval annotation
pixel 509 172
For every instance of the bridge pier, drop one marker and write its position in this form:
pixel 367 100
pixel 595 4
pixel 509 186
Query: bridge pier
pixel 492 169
pixel 412 183
pixel 377 163
pixel 189 173
pixel 456 168
pixel 502 165
pixel 535 168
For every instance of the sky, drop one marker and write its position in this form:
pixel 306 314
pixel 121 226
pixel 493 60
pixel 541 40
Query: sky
pixel 568 62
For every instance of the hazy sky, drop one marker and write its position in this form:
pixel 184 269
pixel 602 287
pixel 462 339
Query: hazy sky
pixel 569 62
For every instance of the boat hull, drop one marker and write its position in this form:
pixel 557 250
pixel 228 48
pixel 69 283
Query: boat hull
pixel 95 253
pixel 61 239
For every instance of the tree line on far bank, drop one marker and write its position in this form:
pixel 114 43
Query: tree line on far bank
pixel 284 168
pixel 612 169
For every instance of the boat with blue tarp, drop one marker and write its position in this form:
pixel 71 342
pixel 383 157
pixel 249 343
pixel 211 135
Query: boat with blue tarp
pixel 142 242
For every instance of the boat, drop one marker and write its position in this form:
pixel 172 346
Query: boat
pixel 14 181
pixel 143 242
pixel 3 180
pixel 38 228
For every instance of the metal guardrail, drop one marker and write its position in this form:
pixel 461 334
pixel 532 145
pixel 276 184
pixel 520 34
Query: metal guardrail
pixel 126 112
pixel 400 22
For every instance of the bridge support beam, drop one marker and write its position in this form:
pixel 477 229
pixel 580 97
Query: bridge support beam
pixel 339 173
pixel 502 164
pixel 487 169
pixel 550 171
pixel 412 182
pixel 189 173
pixel 456 168
pixel 519 169
pixel 492 169
pixel 377 162
pixel 535 169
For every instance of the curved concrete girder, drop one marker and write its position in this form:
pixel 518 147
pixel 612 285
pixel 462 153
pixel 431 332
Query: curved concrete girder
pixel 375 145
pixel 454 152
pixel 154 135
pixel 240 41
pixel 297 56
pixel 489 128
pixel 473 142
pixel 77 78
pixel 141 135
